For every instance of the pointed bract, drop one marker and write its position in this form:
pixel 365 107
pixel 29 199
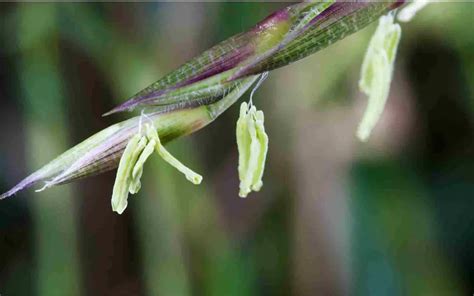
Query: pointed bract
pixel 287 35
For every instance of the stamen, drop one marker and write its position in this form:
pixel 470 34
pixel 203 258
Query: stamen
pixel 252 143
pixel 138 168
pixel 263 141
pixel 376 73
pixel 190 174
pixel 135 184
pixel 259 82
pixel 123 178
pixel 46 186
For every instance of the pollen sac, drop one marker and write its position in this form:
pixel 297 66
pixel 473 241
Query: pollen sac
pixel 123 179
pixel 130 170
pixel 376 73
pixel 137 171
pixel 252 143
pixel 138 150
pixel 192 176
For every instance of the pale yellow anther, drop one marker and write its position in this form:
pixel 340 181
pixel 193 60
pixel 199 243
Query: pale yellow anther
pixel 192 176
pixel 376 73
pixel 252 143
pixel 129 173
pixel 147 151
pixel 124 175
pixel 135 184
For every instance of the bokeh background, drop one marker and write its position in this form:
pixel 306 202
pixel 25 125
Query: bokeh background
pixel 393 216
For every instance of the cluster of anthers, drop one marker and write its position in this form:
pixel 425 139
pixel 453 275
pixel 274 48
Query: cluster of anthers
pixel 252 140
pixel 252 143
pixel 272 39
pixel 377 67
pixel 139 148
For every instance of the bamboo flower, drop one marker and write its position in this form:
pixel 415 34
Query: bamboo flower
pixel 102 151
pixel 199 91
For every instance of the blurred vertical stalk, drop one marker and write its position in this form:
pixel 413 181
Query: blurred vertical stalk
pixel 157 212
pixel 57 266
pixel 161 236
pixel 156 208
pixel 128 68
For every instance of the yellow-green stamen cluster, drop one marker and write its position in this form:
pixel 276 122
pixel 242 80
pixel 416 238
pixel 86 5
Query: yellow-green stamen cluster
pixel 376 74
pixel 130 170
pixel 252 143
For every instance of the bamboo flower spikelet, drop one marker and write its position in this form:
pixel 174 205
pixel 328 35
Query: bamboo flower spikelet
pixel 199 91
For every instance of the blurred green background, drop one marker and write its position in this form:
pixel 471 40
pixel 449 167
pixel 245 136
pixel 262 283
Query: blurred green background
pixel 335 216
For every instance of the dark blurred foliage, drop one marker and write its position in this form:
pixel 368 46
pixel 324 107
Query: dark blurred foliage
pixel 335 216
